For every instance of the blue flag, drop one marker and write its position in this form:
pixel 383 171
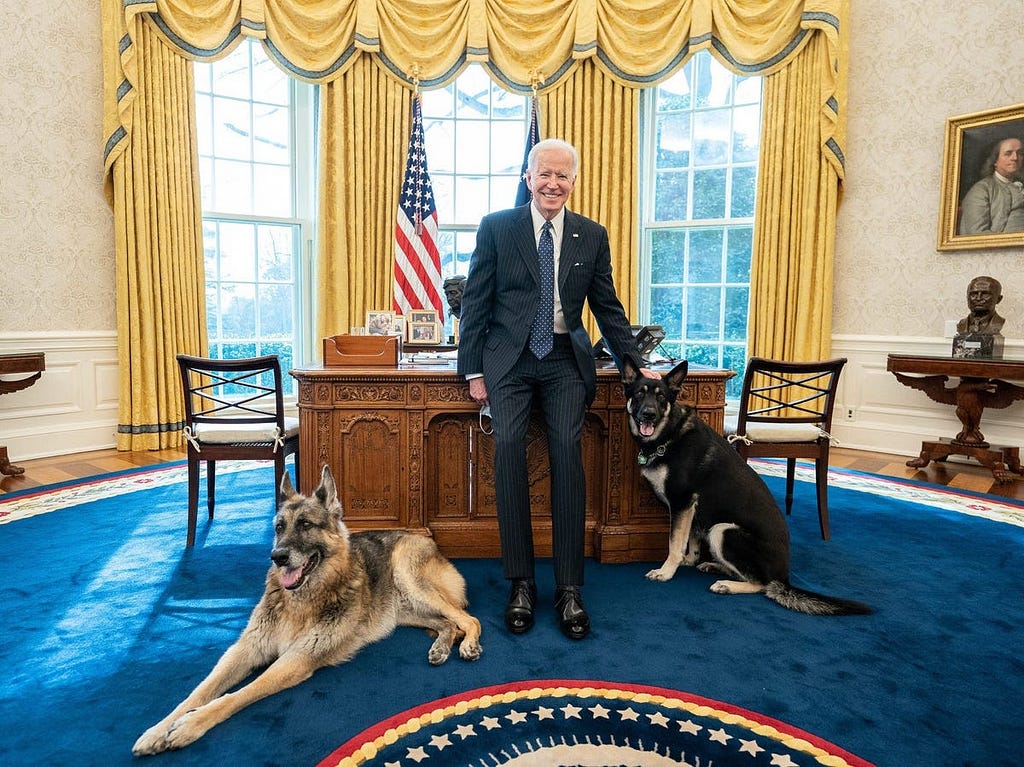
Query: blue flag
pixel 523 194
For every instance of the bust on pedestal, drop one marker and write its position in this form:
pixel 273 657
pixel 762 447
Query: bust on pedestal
pixel 978 334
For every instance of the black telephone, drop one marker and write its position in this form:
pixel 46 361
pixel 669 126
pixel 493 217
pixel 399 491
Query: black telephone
pixel 647 339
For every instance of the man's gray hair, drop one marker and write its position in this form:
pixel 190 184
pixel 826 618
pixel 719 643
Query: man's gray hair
pixel 548 144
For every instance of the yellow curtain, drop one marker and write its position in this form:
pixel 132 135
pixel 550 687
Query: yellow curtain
pixel 797 199
pixel 601 117
pixel 365 121
pixel 161 308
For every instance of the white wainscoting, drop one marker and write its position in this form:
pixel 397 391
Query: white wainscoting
pixel 876 412
pixel 73 406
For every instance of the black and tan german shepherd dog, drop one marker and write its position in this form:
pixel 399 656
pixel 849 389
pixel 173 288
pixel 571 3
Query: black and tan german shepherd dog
pixel 724 518
pixel 328 594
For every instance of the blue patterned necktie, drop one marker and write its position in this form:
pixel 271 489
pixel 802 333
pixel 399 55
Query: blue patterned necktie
pixel 543 328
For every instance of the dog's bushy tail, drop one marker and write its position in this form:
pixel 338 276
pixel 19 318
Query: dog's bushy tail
pixel 811 603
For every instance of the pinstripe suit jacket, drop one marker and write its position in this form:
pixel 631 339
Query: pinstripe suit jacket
pixel 503 286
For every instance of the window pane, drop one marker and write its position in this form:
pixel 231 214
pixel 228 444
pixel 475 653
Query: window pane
pixel 275 311
pixel 705 255
pixel 739 247
pixel 231 129
pixel 472 147
pixel 276 246
pixel 674 93
pixel 237 252
pixel 744 186
pixel 702 313
pixel 231 74
pixel 746 133
pixel 737 301
pixel 232 186
pixel 667 254
pixel 471 199
pixel 670 195
pixel 711 137
pixel 709 193
pixel 674 141
pixel 272 129
pixel 238 310
pixel 714 82
pixel 273 190
pixel 667 310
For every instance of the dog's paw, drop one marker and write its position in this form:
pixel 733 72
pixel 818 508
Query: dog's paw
pixel 721 587
pixel 152 741
pixel 470 650
pixel 709 567
pixel 661 574
pixel 439 652
pixel 188 728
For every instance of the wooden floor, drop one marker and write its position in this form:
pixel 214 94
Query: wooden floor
pixel 958 474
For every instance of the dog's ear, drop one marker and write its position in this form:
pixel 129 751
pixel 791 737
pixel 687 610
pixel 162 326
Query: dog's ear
pixel 675 377
pixel 327 492
pixel 287 490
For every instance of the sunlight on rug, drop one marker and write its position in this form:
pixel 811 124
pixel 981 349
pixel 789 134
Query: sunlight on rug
pixel 547 723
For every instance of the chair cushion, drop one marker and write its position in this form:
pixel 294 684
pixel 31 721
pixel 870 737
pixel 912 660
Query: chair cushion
pixel 222 434
pixel 777 432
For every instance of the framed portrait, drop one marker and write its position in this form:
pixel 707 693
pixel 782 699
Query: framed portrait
pixel 423 332
pixel 379 323
pixel 420 316
pixel 982 182
pixel 398 325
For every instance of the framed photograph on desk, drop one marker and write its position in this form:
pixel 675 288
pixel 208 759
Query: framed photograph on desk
pixel 379 323
pixel 425 333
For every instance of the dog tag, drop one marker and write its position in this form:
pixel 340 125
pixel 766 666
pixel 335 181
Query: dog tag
pixel 641 459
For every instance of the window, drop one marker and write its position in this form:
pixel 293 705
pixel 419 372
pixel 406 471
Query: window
pixel 700 153
pixel 256 170
pixel 475 133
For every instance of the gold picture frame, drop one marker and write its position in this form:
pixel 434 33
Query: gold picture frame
pixel 969 139
pixel 379 323
pixel 424 333
pixel 419 316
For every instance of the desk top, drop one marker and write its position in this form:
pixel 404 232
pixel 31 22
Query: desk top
pixel 435 370
pixel 956 366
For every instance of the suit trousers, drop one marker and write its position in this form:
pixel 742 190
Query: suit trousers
pixel 556 385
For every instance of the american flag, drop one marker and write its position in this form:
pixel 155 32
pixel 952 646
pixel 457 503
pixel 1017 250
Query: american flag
pixel 417 261
pixel 523 193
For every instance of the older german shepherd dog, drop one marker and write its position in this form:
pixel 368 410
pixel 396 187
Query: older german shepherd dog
pixel 724 518
pixel 328 594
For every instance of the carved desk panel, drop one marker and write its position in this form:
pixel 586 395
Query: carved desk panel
pixel 406 449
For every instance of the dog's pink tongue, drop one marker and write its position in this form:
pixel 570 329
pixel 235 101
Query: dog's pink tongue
pixel 646 429
pixel 290 576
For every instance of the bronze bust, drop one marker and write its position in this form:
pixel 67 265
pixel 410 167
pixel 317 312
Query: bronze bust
pixel 983 293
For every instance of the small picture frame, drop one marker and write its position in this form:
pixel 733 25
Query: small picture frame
pixel 424 333
pixel 970 143
pixel 398 325
pixel 420 316
pixel 380 323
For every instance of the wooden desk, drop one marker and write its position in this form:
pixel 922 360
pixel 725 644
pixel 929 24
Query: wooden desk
pixel 406 449
pixel 32 363
pixel 981 385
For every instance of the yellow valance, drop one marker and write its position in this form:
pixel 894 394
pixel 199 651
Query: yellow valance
pixel 520 42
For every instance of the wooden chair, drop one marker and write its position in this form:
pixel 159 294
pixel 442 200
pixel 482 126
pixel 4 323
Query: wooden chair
pixel 234 410
pixel 786 412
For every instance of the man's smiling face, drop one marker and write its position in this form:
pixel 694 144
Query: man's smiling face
pixel 552 181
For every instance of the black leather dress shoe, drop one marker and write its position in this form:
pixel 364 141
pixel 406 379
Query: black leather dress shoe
pixel 572 616
pixel 521 600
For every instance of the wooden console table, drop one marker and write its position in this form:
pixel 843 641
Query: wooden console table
pixel 406 450
pixel 981 385
pixel 32 363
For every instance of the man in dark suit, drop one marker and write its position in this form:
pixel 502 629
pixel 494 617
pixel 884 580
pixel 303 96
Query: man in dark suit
pixel 522 340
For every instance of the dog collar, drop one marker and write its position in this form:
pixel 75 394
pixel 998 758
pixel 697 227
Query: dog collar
pixel 643 459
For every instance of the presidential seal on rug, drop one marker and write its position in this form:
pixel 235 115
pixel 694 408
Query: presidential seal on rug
pixel 724 518
pixel 328 594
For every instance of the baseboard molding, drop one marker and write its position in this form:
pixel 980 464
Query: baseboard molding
pixel 72 408
pixel 877 413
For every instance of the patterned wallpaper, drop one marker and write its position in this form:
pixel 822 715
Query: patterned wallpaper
pixel 55 224
pixel 913 64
